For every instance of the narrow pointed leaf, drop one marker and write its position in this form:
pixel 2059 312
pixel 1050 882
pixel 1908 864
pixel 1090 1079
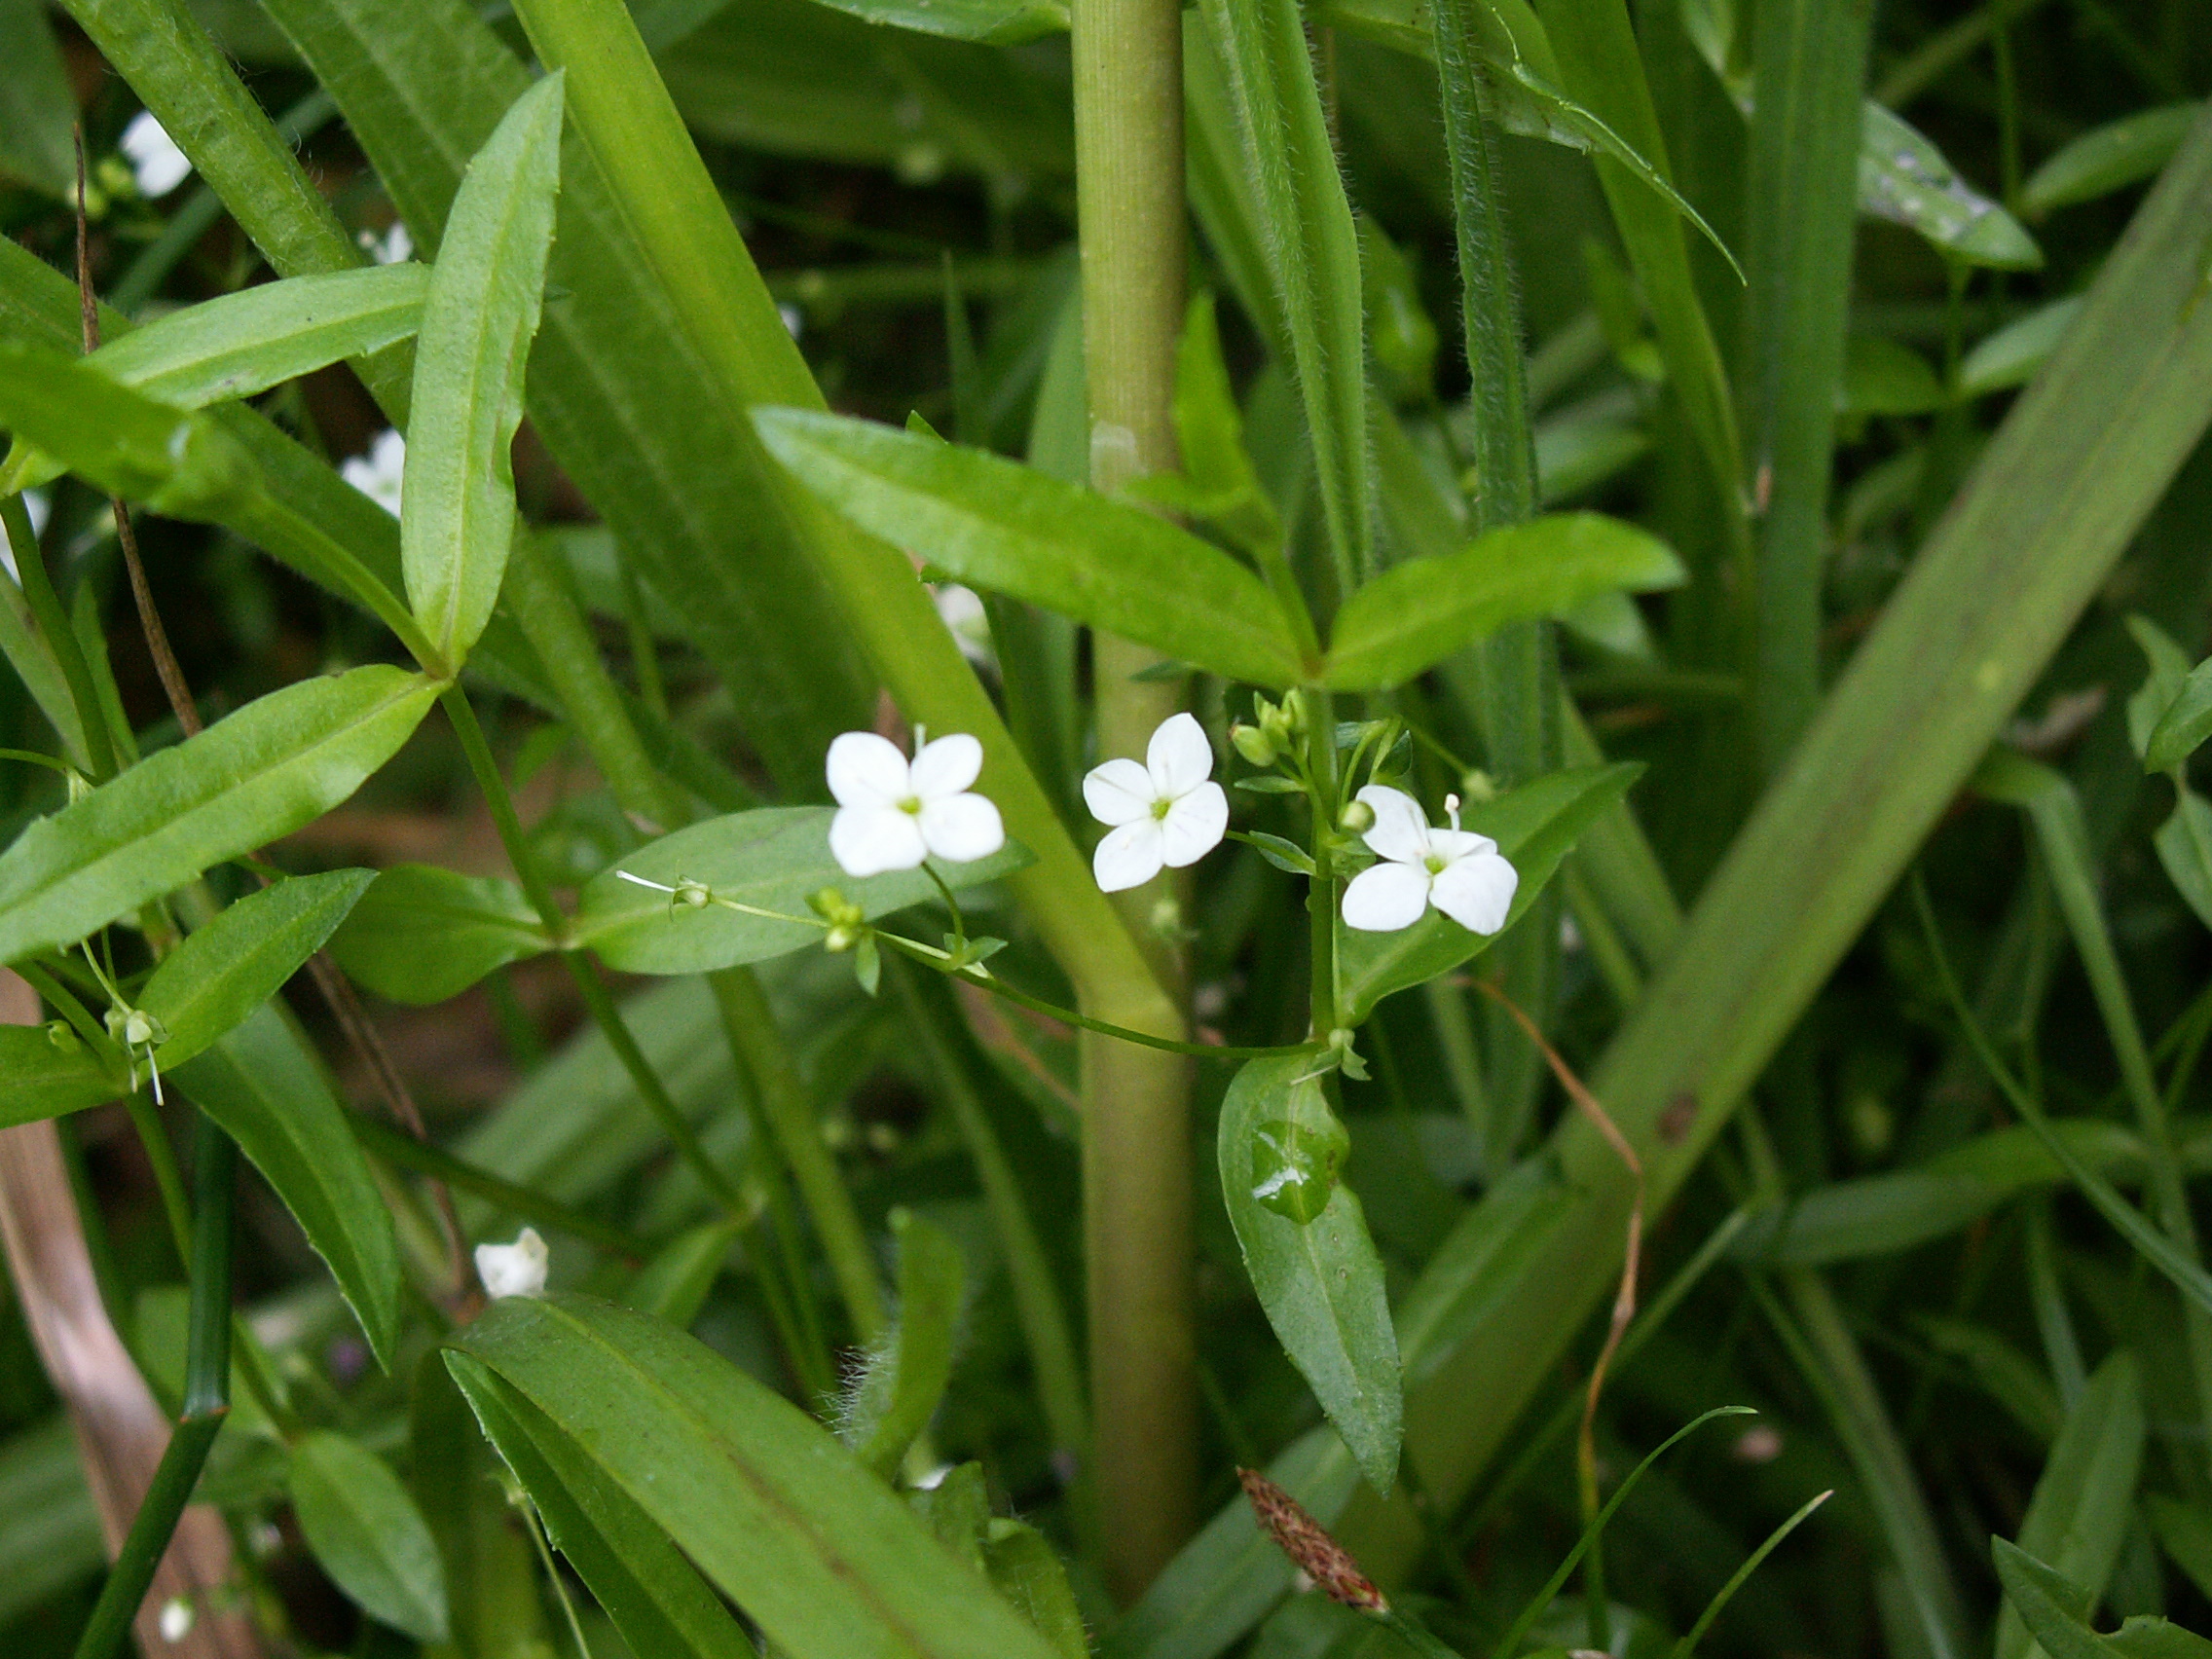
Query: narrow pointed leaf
pixel 37 106
pixel 264 1085
pixel 763 1501
pixel 996 22
pixel 1320 1281
pixel 655 1597
pixel 2108 158
pixel 1904 178
pixel 421 934
pixel 457 516
pixel 279 763
pixel 368 1533
pixel 2186 724
pixel 1418 613
pixel 40 1078
pixel 1009 529
pixel 226 970
pixel 2013 354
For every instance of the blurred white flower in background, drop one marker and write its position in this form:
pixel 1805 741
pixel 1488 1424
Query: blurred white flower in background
pixel 962 611
pixel 1166 812
pixel 513 1270
pixel 795 319
pixel 156 162
pixel 379 473
pixel 1460 872
pixel 177 1619
pixel 892 813
pixel 395 247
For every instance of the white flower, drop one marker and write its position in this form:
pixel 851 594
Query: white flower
pixel 795 319
pixel 176 1619
pixel 961 609
pixel 513 1270
pixel 394 247
pixel 1167 811
pixel 378 474
pixel 1460 872
pixel 894 814
pixel 158 166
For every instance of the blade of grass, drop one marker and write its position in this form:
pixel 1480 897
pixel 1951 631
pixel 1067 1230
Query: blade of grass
pixel 1736 1580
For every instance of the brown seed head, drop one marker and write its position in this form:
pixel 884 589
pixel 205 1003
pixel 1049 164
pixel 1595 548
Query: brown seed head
pixel 1310 1549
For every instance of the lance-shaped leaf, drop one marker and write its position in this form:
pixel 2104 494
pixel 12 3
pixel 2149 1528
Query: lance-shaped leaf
pixel 1418 613
pixel 279 763
pixel 263 1083
pixel 773 859
pixel 655 1597
pixel 1312 248
pixel 242 344
pixel 458 513
pixel 996 22
pixel 368 1533
pixel 1319 1279
pixel 37 106
pixel 810 1545
pixel 174 461
pixel 1009 529
pixel 241 959
pixel 2184 725
pixel 2109 157
pixel 1534 827
pixel 2057 1611
pixel 1904 178
pixel 421 934
pixel 898 1390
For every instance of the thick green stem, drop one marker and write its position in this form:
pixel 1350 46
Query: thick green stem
pixel 1129 118
pixel 757 1042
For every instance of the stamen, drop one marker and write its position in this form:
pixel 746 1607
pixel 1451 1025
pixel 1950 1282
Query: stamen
pixel 1452 810
pixel 642 882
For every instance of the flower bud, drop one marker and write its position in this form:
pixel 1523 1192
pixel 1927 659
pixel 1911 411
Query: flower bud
pixel 1255 744
pixel 58 1033
pixel 1357 817
pixel 696 894
pixel 841 938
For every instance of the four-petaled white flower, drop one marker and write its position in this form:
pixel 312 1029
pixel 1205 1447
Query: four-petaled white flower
pixel 895 813
pixel 1459 871
pixel 379 474
pixel 513 1270
pixel 156 162
pixel 1166 812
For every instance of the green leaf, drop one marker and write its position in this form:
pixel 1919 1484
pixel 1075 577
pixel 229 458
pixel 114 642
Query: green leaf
pixel 2184 847
pixel 1881 377
pixel 226 970
pixel 264 1085
pixel 2012 354
pixel 279 763
pixel 2185 1533
pixel 1534 827
pixel 368 1533
pixel 673 1286
pixel 37 106
pixel 1026 1572
pixel 240 345
pixel 458 514
pixel 2056 1610
pixel 995 23
pixel 421 934
pixel 806 1541
pixel 42 1078
pixel 1477 1263
pixel 2109 157
pixel 2186 724
pixel 1420 612
pixel 2169 667
pixel 1313 253
pixel 655 1597
pixel 1320 1282
pixel 2082 1504
pixel 1005 528
pixel 1904 178
pixel 898 1391
pixel 176 462
pixel 773 859
pixel 1210 435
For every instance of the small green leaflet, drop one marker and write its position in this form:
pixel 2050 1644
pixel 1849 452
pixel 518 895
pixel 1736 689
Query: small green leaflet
pixel 421 934
pixel 368 1533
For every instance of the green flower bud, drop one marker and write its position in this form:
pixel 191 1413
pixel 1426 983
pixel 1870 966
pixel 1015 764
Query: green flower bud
pixel 1356 819
pixel 1255 745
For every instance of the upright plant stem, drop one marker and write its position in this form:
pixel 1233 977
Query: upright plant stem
pixel 1129 120
pixel 1515 674
pixel 1811 59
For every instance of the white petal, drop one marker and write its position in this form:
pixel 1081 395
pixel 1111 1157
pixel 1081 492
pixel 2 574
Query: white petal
pixel 1194 826
pixel 1476 892
pixel 157 162
pixel 513 1270
pixel 1452 845
pixel 1118 792
pixel 868 770
pixel 1387 897
pixel 1129 857
pixel 962 827
pixel 947 766
pixel 1179 758
pixel 1401 827
pixel 868 840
